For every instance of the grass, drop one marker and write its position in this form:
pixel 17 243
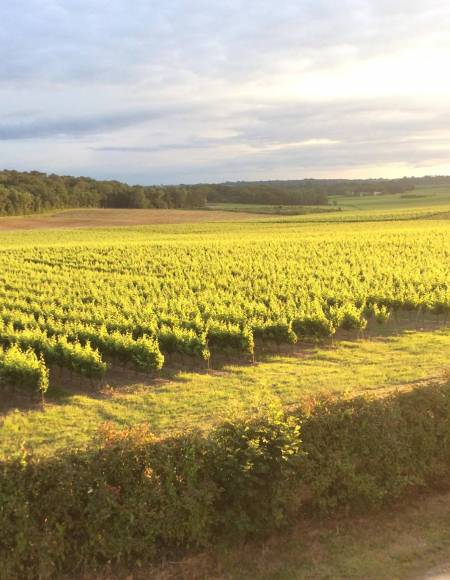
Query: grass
pixel 272 209
pixel 409 543
pixel 417 198
pixel 184 399
pixel 416 203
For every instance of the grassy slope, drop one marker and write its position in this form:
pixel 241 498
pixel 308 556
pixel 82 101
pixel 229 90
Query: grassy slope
pixel 272 209
pixel 178 400
pixel 418 198
pixel 417 203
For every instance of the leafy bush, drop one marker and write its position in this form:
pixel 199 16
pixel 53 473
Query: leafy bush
pixel 82 359
pixel 348 317
pixel 133 497
pixel 380 312
pixel 313 326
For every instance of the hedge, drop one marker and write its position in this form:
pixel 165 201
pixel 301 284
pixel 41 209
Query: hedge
pixel 133 498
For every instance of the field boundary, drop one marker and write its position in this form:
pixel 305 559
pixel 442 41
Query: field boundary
pixel 134 497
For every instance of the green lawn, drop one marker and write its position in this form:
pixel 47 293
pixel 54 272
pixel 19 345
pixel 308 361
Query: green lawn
pixel 180 399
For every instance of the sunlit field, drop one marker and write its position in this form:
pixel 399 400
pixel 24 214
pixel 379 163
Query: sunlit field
pixel 177 325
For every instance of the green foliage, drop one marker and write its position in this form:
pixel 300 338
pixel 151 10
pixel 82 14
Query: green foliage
pixel 32 192
pixel 279 332
pixel 135 498
pixel 58 350
pixel 380 313
pixel 184 341
pixel 225 336
pixel 254 465
pixel 130 296
pixel 348 317
pixel 24 369
pixel 362 452
pixel 82 359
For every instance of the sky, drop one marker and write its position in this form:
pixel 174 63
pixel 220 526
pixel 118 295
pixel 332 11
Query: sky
pixel 172 91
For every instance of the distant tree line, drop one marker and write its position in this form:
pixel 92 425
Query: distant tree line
pixel 303 191
pixel 267 192
pixel 33 192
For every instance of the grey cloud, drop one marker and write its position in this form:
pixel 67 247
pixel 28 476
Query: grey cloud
pixel 78 126
pixel 193 143
pixel 349 121
pixel 308 137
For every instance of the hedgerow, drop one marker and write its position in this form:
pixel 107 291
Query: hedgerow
pixel 133 497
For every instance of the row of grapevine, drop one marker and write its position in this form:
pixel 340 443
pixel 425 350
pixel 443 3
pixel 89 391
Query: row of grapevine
pixel 135 304
pixel 82 359
pixel 23 368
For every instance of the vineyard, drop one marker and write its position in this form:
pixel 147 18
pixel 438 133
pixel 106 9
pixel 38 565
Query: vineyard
pixel 140 304
pixel 134 421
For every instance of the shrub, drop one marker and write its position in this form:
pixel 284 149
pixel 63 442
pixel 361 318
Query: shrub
pixel 133 497
pixel 313 324
pixel 82 359
pixel 348 317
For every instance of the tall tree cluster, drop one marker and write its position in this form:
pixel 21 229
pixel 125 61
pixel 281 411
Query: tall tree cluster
pixel 33 192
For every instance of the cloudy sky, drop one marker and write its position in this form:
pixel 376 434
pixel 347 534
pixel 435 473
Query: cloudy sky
pixel 173 91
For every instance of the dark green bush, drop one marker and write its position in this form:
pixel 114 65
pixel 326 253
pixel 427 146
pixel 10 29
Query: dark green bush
pixel 131 497
pixel 363 452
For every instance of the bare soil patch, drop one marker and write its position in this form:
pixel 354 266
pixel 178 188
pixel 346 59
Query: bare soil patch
pixel 91 218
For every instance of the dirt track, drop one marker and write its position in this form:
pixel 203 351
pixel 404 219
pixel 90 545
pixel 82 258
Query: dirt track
pixel 91 218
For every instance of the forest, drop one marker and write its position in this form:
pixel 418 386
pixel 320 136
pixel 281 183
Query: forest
pixel 35 192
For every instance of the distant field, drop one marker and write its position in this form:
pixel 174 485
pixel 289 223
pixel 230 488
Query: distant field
pixel 416 204
pixel 419 204
pixel 272 209
pixel 93 217
pixel 415 199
